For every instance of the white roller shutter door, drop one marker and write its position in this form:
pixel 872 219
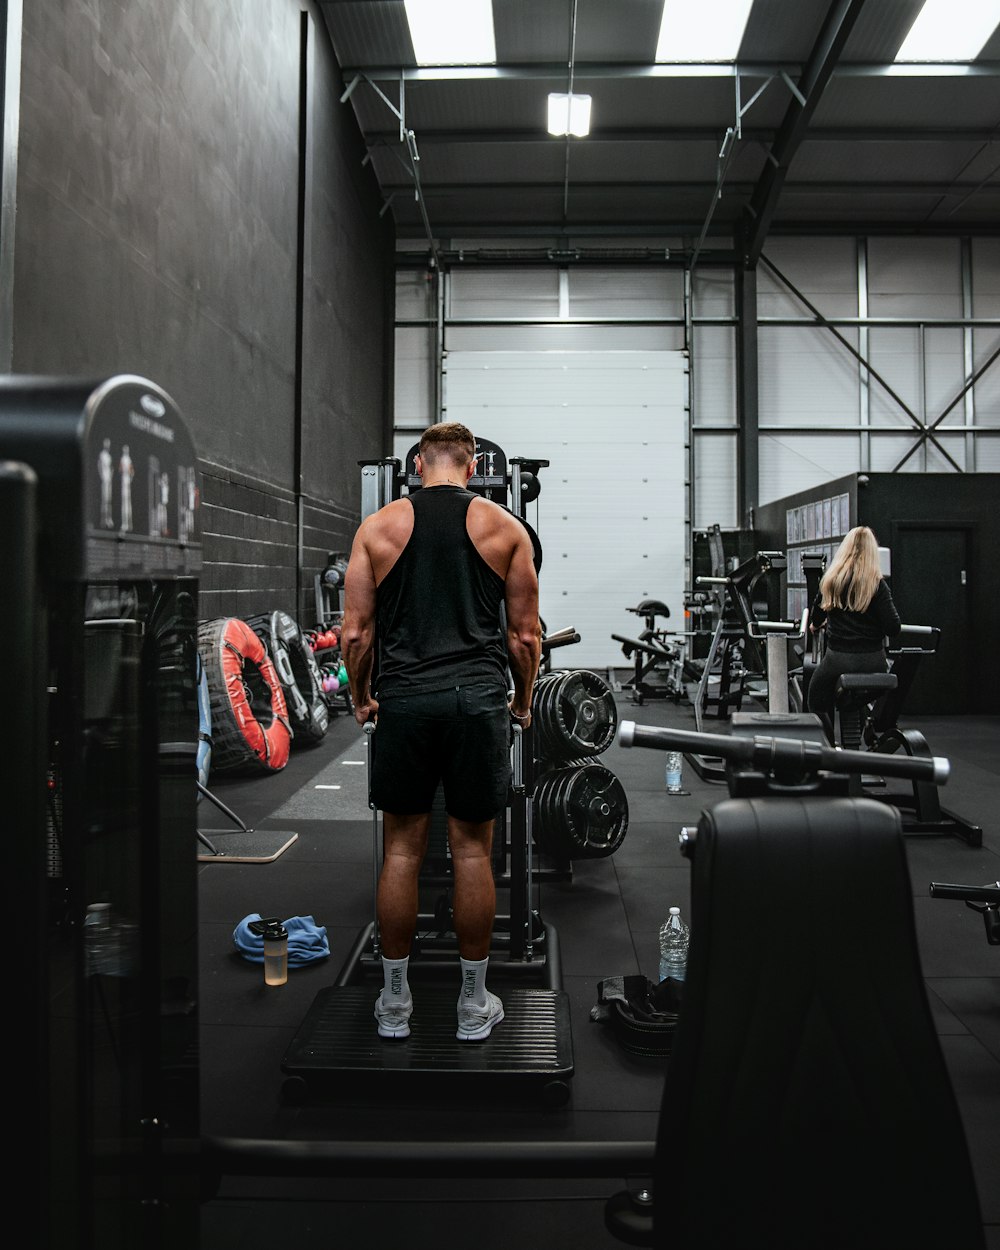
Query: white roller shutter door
pixel 611 513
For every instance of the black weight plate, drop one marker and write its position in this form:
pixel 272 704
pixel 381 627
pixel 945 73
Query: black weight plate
pixel 596 812
pixel 586 713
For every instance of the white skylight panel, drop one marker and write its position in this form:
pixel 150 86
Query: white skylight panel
pixel 950 30
pixel 452 32
pixel 702 30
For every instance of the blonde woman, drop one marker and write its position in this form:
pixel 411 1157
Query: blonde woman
pixel 856 609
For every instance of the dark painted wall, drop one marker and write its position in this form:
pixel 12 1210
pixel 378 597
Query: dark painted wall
pixel 923 518
pixel 158 232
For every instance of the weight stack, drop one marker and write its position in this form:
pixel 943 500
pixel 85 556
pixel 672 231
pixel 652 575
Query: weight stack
pixel 580 806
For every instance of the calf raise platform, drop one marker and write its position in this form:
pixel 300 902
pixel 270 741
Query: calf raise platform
pixel 531 1047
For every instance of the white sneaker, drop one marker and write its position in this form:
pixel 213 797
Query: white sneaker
pixel 393 1021
pixel 475 1023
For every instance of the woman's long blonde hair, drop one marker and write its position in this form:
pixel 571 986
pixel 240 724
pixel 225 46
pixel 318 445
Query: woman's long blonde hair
pixel 853 577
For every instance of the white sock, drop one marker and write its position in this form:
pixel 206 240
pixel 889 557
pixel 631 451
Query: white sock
pixel 396 987
pixel 473 982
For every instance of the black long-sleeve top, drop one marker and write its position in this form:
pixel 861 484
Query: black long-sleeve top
pixel 859 631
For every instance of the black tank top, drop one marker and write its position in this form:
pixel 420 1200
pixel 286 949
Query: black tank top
pixel 439 607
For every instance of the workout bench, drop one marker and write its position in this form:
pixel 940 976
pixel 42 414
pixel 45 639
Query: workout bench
pixel 649 651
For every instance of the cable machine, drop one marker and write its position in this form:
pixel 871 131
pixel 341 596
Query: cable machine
pixel 100 495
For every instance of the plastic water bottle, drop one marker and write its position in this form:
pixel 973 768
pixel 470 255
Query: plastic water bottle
pixel 674 939
pixel 100 941
pixel 675 763
pixel 97 937
pixel 275 954
pixel 275 939
pixel 110 942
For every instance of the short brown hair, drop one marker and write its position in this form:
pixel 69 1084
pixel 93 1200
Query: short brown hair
pixel 450 440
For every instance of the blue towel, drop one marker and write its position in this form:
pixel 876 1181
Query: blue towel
pixel 306 940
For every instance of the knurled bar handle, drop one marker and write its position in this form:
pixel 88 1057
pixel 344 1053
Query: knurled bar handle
pixel 369 743
pixel 971 893
pixel 766 752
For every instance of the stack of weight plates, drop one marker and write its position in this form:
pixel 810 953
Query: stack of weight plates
pixel 580 807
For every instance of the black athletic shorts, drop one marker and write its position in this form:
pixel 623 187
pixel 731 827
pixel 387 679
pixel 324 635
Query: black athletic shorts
pixel 459 738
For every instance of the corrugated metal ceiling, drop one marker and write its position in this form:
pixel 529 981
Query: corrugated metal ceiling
pixel 865 148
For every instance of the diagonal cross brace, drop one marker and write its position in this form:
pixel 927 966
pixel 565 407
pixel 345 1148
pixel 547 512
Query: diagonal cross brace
pixel 925 431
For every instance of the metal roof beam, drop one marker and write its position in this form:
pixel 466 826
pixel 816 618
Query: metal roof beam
pixel 659 227
pixel 702 134
pixel 840 20
pixel 719 69
pixel 849 186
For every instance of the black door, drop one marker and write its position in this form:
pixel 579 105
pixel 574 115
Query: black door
pixel 929 581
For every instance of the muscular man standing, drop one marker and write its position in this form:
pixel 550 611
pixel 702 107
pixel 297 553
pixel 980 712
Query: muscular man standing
pixel 430 579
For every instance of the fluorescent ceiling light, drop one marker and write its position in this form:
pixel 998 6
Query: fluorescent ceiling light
pixel 452 32
pixel 702 30
pixel 950 30
pixel 569 114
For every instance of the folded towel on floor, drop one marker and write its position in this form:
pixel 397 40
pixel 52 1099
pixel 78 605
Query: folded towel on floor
pixel 306 940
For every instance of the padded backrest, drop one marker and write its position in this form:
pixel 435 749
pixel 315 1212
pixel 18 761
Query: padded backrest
pixel 806 1102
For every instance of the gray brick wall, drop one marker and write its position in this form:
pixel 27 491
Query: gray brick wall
pixel 250 539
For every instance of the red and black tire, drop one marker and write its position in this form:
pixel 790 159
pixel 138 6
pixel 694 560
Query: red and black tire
pixel 250 727
pixel 298 672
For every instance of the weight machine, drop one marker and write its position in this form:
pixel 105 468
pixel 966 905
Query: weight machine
pixel 806 648
pixel 328 588
pixel 534 1046
pixel 982 898
pixel 868 707
pixel 651 651
pixel 100 543
pixel 792 839
pixel 748 655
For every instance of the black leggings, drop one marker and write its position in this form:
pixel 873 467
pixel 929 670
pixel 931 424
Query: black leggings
pixel 823 683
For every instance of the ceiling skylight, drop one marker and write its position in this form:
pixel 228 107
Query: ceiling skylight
pixel 702 30
pixel 452 32
pixel 950 30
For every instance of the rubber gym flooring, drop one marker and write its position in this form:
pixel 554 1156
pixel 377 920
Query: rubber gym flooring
pixel 607 915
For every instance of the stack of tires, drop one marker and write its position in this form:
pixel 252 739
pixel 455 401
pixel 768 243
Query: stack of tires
pixel 580 807
pixel 260 690
pixel 298 674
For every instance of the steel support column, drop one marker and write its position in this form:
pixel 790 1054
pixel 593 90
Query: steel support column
pixel 747 411
pixel 10 95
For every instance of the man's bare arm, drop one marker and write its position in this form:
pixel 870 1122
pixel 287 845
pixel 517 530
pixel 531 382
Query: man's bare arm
pixel 357 635
pixel 524 631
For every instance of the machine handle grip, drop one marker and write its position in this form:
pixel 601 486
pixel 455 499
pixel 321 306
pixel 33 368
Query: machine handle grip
pixel 971 893
pixel 759 629
pixel 565 638
pixel 766 753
